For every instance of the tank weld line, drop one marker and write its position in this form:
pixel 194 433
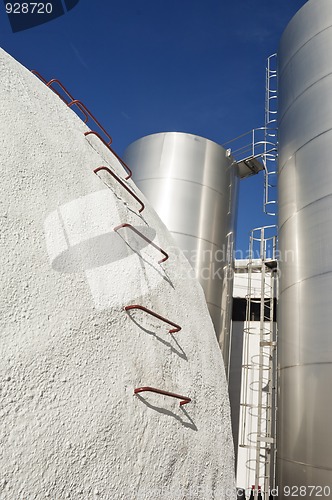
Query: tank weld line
pixel 304 279
pixel 306 364
pixel 314 201
pixel 300 48
pixel 303 208
pixel 212 304
pixel 193 236
pixel 303 145
pixel 183 180
pixel 300 95
pixel 303 463
pixel 280 169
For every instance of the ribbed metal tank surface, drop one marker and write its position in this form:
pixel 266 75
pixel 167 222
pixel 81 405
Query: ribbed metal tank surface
pixel 305 192
pixel 192 185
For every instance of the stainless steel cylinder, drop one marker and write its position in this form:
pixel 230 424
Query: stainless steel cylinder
pixel 192 184
pixel 305 193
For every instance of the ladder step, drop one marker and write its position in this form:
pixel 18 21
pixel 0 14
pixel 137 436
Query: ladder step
pixel 266 439
pixel 255 406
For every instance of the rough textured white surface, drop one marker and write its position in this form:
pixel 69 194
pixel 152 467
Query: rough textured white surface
pixel 70 356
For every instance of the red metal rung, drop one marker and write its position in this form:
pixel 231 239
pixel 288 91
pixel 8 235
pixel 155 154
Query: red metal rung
pixel 122 184
pixel 50 86
pixel 125 166
pixel 82 106
pixel 184 401
pixel 33 71
pixel 144 238
pixel 152 313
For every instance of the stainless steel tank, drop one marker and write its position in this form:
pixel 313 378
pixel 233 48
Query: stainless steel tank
pixel 305 192
pixel 192 184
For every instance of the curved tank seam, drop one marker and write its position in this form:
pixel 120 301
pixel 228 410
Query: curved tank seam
pixel 304 279
pixel 305 364
pixel 303 463
pixel 303 145
pixel 303 208
pixel 300 48
pixel 213 304
pixel 300 95
pixel 177 179
pixel 191 236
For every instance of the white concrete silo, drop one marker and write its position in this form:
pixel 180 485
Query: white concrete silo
pixel 71 356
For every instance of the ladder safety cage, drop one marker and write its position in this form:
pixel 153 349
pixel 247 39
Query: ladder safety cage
pixel 270 157
pixel 258 386
pixel 261 144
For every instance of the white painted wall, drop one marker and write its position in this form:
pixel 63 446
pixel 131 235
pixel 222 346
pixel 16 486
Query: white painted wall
pixel 240 288
pixel 70 356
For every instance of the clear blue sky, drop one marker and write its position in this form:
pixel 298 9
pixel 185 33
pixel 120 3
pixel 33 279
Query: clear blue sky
pixel 146 66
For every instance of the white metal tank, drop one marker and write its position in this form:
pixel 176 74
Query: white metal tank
pixel 192 184
pixel 305 191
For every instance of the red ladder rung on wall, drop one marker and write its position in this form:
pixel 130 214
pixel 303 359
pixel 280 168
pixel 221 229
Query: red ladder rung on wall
pixel 125 166
pixel 184 399
pixel 176 328
pixel 129 226
pixel 73 102
pixel 80 105
pixel 108 170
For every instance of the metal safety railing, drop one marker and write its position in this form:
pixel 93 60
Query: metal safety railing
pixel 109 171
pixel 184 399
pixel 262 143
pixel 251 144
pixel 176 328
pixel 129 226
